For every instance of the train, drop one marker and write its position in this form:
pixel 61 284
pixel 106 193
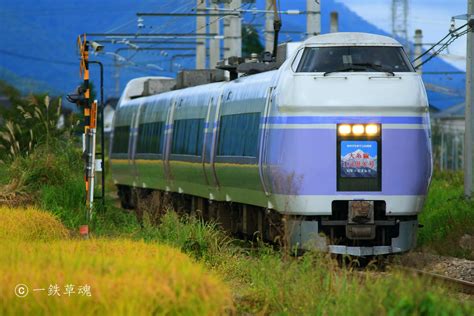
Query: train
pixel 330 151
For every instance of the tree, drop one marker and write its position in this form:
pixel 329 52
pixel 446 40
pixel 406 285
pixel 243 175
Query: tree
pixel 250 41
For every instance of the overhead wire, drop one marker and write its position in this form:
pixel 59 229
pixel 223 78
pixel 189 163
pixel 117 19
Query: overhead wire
pixel 190 33
pixel 451 37
pixel 443 47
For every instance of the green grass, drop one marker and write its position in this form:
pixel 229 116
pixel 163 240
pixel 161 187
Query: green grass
pixel 266 283
pixel 446 217
pixel 3 174
pixel 200 239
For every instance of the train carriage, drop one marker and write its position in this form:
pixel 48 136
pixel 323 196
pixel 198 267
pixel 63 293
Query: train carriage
pixel 336 142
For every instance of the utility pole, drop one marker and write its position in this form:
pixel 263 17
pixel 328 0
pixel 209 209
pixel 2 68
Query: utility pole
pixel 418 49
pixel 200 45
pixel 232 28
pixel 313 17
pixel 214 44
pixel 235 30
pixel 469 120
pixel 334 27
pixel 268 34
pixel 276 28
pixel 227 32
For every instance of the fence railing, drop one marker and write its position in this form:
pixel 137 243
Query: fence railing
pixel 448 147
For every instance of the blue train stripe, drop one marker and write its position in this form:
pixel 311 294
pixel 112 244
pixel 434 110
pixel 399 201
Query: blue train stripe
pixel 345 119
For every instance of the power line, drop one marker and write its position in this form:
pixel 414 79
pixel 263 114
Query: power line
pixel 186 14
pixel 451 37
pixel 443 47
pixel 34 58
pixel 136 35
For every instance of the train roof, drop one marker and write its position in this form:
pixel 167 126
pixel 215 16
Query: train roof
pixel 351 39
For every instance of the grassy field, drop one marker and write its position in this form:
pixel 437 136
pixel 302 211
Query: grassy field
pixel 447 216
pixel 147 272
pixel 125 276
pixel 142 269
pixel 265 281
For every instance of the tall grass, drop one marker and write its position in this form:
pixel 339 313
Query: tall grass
pixel 66 201
pixel 447 216
pixel 194 236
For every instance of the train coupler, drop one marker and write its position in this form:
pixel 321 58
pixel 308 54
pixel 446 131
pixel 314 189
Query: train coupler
pixel 360 220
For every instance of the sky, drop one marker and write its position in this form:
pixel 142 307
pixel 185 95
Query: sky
pixel 431 16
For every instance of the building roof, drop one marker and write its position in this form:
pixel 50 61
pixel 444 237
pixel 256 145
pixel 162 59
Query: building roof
pixel 453 112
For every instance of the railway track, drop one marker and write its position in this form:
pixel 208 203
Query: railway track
pixel 463 286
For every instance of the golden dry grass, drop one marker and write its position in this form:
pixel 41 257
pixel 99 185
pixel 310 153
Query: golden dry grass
pixel 30 224
pixel 125 277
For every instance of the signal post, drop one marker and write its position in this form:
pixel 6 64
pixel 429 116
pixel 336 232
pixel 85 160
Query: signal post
pixel 90 124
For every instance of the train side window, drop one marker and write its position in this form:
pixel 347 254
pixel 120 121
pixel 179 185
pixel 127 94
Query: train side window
pixel 238 135
pixel 150 138
pixel 120 142
pixel 188 137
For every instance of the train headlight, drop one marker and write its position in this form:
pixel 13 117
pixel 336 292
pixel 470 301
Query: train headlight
pixel 372 129
pixel 344 129
pixel 358 129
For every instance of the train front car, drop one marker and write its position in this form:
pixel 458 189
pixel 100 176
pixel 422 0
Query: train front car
pixel 348 147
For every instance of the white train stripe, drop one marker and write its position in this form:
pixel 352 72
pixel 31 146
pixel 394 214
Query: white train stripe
pixel 333 126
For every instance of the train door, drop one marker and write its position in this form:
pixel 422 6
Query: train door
pixel 187 144
pixel 210 139
pixel 262 155
pixel 122 142
pixel 133 143
pixel 239 154
pixel 167 145
pixel 150 142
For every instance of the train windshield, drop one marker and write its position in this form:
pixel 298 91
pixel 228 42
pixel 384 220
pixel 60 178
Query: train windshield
pixel 354 58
